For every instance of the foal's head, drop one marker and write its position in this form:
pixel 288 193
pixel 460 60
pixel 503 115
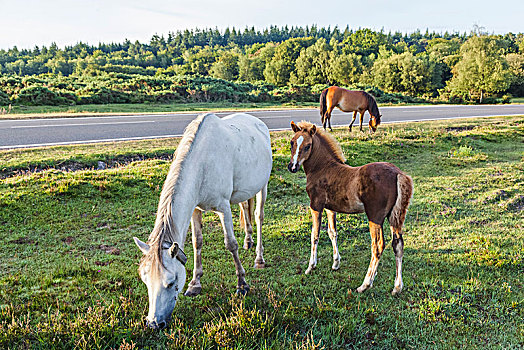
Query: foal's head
pixel 301 145
pixel 164 274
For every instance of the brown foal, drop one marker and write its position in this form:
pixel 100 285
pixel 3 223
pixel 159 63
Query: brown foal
pixel 381 190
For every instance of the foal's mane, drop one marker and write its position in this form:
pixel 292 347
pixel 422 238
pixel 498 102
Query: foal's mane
pixel 163 229
pixel 326 139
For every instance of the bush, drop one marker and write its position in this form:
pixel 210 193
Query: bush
pixel 39 95
pixel 4 99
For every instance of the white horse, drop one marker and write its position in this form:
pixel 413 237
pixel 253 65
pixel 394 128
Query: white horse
pixel 218 162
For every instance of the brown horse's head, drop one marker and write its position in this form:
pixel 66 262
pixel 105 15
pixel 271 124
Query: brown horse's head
pixel 374 122
pixel 301 145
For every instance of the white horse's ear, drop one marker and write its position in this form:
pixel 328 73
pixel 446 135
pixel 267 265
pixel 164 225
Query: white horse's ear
pixel 144 247
pixel 294 127
pixel 313 130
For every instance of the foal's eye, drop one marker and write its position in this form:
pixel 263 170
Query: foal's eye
pixel 307 148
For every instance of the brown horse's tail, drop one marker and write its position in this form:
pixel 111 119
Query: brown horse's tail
pixel 250 212
pixel 372 107
pixel 404 193
pixel 323 104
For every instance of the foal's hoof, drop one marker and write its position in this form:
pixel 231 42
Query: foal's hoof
pixel 260 264
pixel 363 288
pixel 243 290
pixel 248 244
pixel 193 291
pixel 396 290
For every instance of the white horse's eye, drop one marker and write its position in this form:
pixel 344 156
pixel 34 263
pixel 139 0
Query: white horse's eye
pixel 170 285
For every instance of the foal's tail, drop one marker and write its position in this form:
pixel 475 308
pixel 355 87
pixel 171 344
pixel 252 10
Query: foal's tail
pixel 323 104
pixel 404 193
pixel 250 213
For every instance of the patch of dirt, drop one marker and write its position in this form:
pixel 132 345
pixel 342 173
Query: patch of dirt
pixel 461 128
pixel 517 204
pixel 68 240
pixel 23 240
pixel 76 166
pixel 109 250
pixel 103 263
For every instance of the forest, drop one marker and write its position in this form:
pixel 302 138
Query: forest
pixel 276 64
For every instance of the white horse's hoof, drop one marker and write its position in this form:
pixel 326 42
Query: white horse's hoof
pixel 336 265
pixel 309 269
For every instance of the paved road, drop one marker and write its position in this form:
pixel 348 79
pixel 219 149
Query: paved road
pixel 59 131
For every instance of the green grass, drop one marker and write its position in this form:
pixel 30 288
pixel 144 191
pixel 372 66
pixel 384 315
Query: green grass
pixel 43 111
pixel 517 100
pixel 68 265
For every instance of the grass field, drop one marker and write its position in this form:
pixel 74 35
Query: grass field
pixel 68 265
pixel 76 110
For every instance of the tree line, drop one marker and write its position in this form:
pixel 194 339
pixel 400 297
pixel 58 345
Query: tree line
pixel 274 64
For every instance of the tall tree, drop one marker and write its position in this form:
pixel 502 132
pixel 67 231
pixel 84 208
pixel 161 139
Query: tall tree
pixel 481 69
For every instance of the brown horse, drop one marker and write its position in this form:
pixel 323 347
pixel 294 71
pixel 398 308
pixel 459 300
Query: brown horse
pixel 380 190
pixel 349 101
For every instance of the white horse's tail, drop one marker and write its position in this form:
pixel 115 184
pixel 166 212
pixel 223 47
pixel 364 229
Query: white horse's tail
pixel 404 193
pixel 250 212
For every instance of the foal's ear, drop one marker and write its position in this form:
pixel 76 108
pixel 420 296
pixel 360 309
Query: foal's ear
pixel 313 130
pixel 144 247
pixel 294 127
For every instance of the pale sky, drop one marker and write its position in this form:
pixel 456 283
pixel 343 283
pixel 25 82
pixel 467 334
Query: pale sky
pixel 26 23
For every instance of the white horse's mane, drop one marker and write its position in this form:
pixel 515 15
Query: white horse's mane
pixel 163 223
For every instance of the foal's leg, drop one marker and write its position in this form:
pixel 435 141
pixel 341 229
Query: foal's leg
pixel 332 231
pixel 377 247
pixel 259 218
pixel 231 244
pixel 245 212
pixel 353 120
pixel 315 230
pixel 398 248
pixel 194 287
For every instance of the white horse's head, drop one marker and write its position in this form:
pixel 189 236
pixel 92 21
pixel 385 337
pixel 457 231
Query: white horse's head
pixel 164 274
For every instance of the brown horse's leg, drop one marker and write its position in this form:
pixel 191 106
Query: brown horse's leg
pixel 259 218
pixel 353 120
pixel 398 248
pixel 232 246
pixel 194 287
pixel 361 120
pixel 245 221
pixel 377 247
pixel 328 117
pixel 315 231
pixel 332 231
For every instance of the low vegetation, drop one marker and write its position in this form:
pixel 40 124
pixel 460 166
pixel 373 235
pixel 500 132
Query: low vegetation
pixel 68 265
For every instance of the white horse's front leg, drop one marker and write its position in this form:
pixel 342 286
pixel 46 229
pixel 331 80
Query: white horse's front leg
pixel 315 231
pixel 231 244
pixel 195 287
pixel 259 217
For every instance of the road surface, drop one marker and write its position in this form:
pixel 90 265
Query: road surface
pixel 62 131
